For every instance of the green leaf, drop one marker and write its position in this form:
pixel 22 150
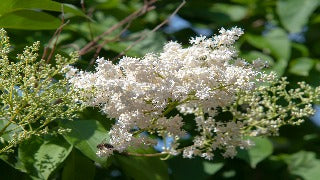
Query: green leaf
pixel 279 43
pixel 77 166
pixel 152 43
pixel 301 66
pixel 315 19
pixel 253 55
pixel 14 5
pixel 301 48
pixel 262 149
pixel 12 128
pixel 275 42
pixel 211 168
pixel 42 157
pixel 216 13
pixel 318 66
pixel 147 168
pixel 13 161
pixel 17 14
pixel 234 12
pixel 95 28
pixel 294 14
pixel 109 4
pixel 304 164
pixel 190 169
pixel 85 135
pixel 29 20
pixel 7 172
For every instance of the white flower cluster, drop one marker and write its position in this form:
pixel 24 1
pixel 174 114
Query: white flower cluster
pixel 142 94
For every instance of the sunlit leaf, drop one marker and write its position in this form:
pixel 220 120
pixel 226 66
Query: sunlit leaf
pixel 42 157
pixel 234 12
pixel 11 129
pixel 304 164
pixel 276 43
pixel 85 135
pixel 301 66
pixel 109 4
pixel 261 150
pixel 16 5
pixel 294 14
pixel 211 168
pixel 29 20
pixel 220 13
pixel 254 55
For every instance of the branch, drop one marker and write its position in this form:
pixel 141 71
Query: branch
pixel 100 46
pixel 146 7
pixel 144 155
pixel 153 30
pixel 88 21
pixel 55 35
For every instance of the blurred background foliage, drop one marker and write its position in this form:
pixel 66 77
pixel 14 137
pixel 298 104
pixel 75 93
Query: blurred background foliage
pixel 283 32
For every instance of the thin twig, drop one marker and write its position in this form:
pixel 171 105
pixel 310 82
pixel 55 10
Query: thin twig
pixel 49 42
pixel 153 30
pixel 100 46
pixel 88 21
pixel 55 35
pixel 146 7
pixel 144 155
pixel 83 6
